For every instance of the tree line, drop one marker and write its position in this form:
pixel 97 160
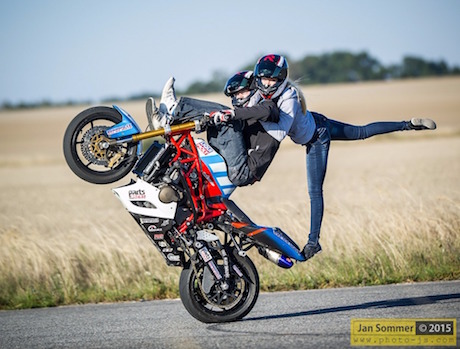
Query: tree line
pixel 339 66
pixel 342 66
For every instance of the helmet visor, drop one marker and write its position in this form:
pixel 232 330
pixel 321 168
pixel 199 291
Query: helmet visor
pixel 238 82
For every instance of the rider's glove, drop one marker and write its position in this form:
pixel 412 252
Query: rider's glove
pixel 222 116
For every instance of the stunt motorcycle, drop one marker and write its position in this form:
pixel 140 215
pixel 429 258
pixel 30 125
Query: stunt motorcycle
pixel 180 199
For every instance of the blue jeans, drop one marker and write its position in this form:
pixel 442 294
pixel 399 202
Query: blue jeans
pixel 328 130
pixel 227 139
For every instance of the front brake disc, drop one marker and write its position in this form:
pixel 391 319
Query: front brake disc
pixel 91 146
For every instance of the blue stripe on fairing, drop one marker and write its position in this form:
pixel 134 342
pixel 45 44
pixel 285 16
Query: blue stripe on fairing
pixel 219 176
pixel 212 159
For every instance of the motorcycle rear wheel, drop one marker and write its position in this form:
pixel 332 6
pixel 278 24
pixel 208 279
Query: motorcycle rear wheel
pixel 218 306
pixel 83 154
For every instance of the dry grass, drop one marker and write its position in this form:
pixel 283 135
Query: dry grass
pixel 392 204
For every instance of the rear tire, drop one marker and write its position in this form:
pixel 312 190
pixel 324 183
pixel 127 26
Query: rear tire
pixel 241 296
pixel 85 158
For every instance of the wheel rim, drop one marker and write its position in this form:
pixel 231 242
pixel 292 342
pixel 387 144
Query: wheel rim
pixel 91 154
pixel 219 300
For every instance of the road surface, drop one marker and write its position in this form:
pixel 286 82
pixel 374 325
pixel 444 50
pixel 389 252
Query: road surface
pixel 302 319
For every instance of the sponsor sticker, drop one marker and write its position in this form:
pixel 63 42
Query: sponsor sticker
pixel 136 194
pixel 149 220
pixel 214 270
pixel 153 228
pixel 173 257
pixel 204 148
pixel 237 270
pixel 403 332
pixel 119 129
pixel 165 223
pixel 205 254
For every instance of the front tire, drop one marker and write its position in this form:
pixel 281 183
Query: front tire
pixel 217 305
pixel 82 149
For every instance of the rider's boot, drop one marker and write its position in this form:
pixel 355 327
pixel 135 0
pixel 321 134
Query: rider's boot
pixel 421 124
pixel 168 98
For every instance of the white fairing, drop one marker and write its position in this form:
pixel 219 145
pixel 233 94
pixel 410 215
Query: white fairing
pixel 144 194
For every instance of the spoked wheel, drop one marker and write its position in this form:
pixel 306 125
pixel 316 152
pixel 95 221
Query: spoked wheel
pixel 85 152
pixel 211 302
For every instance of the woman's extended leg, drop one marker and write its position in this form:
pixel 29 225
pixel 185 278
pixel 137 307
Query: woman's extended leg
pixel 347 132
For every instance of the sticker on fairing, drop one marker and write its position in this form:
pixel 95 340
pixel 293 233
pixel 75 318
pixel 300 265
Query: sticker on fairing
pixel 214 270
pixel 205 254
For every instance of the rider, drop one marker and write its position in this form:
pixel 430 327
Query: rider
pixel 261 146
pixel 238 134
pixel 314 131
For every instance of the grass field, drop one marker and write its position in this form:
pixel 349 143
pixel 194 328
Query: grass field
pixel 392 204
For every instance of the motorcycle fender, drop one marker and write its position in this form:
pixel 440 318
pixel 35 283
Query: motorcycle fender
pixel 127 127
pixel 143 199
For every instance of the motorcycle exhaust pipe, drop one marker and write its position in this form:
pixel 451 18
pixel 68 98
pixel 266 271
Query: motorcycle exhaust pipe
pixel 277 258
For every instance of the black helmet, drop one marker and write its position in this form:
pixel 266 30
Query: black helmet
pixel 271 66
pixel 238 82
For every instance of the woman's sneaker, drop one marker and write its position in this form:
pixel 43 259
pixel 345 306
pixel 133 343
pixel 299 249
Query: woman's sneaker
pixel 153 114
pixel 311 249
pixel 168 100
pixel 422 124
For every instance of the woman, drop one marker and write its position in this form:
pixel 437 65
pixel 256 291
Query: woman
pixel 314 131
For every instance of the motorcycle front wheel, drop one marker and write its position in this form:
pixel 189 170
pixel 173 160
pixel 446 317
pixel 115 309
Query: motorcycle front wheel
pixel 219 305
pixel 84 154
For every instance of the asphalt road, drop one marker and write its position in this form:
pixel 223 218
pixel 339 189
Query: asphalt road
pixel 303 319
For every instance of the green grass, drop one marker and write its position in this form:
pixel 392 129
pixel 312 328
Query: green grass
pixel 90 280
pixel 324 271
pixel 110 276
pixel 358 270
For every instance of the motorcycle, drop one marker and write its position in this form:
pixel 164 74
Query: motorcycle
pixel 180 199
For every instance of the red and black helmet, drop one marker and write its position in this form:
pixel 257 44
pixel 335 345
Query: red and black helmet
pixel 243 80
pixel 271 66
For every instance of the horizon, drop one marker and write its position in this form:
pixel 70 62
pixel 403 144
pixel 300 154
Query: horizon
pixel 157 94
pixel 91 51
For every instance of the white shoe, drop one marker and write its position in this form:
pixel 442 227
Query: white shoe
pixel 168 98
pixel 153 114
pixel 422 124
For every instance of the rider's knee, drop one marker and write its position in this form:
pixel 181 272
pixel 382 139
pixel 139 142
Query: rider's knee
pixel 241 179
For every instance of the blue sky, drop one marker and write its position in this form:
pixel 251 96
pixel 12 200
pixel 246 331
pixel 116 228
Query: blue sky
pixel 89 49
